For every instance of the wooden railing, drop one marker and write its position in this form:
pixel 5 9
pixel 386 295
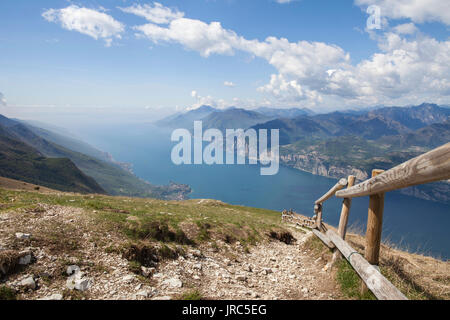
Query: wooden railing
pixel 429 167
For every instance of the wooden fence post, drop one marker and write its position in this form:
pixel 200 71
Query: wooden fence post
pixel 343 221
pixel 374 228
pixel 318 211
pixel 346 204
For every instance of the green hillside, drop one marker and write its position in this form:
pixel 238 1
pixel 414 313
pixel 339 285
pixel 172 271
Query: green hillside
pixel 22 162
pixel 111 177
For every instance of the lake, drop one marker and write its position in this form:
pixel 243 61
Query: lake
pixel 412 224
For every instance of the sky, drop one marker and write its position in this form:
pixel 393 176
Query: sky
pixel 148 59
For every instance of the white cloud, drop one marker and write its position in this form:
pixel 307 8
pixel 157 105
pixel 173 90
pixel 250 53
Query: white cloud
pixel 229 84
pixel 156 13
pixel 2 100
pixel 194 35
pixel 406 28
pixel 404 71
pixel 284 1
pixel 289 91
pixel 95 24
pixel 418 11
pixel 206 100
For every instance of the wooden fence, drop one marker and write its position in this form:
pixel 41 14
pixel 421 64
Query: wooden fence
pixel 429 167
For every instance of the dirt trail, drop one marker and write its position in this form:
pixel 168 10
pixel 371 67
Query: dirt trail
pixel 63 236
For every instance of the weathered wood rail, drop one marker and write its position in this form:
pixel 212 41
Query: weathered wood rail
pixel 429 167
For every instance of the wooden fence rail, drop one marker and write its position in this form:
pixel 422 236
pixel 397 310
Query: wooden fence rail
pixel 429 167
pixel 375 281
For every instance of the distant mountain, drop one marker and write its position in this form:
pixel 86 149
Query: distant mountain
pixel 371 124
pixel 292 130
pixel 111 177
pixel 233 118
pixel 185 120
pixel 368 126
pixel 284 113
pixel 22 162
pixel 341 156
pixel 414 117
pixel 69 143
pixel 429 137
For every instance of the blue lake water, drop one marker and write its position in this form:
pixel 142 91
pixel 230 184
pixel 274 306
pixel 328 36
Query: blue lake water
pixel 412 224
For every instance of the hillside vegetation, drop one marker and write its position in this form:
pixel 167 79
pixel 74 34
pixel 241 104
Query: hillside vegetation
pixel 20 161
pixel 110 176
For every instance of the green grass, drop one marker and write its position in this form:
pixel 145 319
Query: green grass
pixel 350 282
pixel 7 293
pixel 192 295
pixel 159 220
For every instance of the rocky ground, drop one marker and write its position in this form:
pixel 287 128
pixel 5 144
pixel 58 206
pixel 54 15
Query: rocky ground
pixel 54 253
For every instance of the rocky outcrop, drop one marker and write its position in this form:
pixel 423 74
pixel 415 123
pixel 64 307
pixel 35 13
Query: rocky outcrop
pixel 319 165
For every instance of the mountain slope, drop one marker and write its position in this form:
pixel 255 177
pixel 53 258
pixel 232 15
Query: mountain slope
pixel 415 117
pixel 372 124
pixel 292 130
pixel 21 162
pixel 69 143
pixel 111 177
pixel 233 118
pixel 428 137
pixel 186 120
pixel 338 157
pixel 284 113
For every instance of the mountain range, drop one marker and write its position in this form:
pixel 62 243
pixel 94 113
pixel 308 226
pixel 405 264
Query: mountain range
pixel 337 144
pixel 230 118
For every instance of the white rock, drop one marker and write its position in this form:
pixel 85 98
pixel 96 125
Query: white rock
pixel 241 278
pixel 73 269
pixel 143 293
pixel 25 259
pixel 128 278
pixel 55 296
pixel 197 253
pixel 198 266
pixel 146 272
pixel 77 282
pixel 173 283
pixel 163 298
pixel 23 236
pixel 267 271
pixel 28 283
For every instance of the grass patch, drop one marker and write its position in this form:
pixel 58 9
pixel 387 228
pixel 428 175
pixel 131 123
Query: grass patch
pixel 6 293
pixel 315 244
pixel 134 266
pixel 350 282
pixel 394 270
pixel 160 231
pixel 203 231
pixel 193 295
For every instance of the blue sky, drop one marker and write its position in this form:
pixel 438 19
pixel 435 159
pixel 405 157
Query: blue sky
pixel 166 56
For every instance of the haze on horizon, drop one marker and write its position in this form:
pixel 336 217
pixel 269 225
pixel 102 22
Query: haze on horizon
pixel 126 60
